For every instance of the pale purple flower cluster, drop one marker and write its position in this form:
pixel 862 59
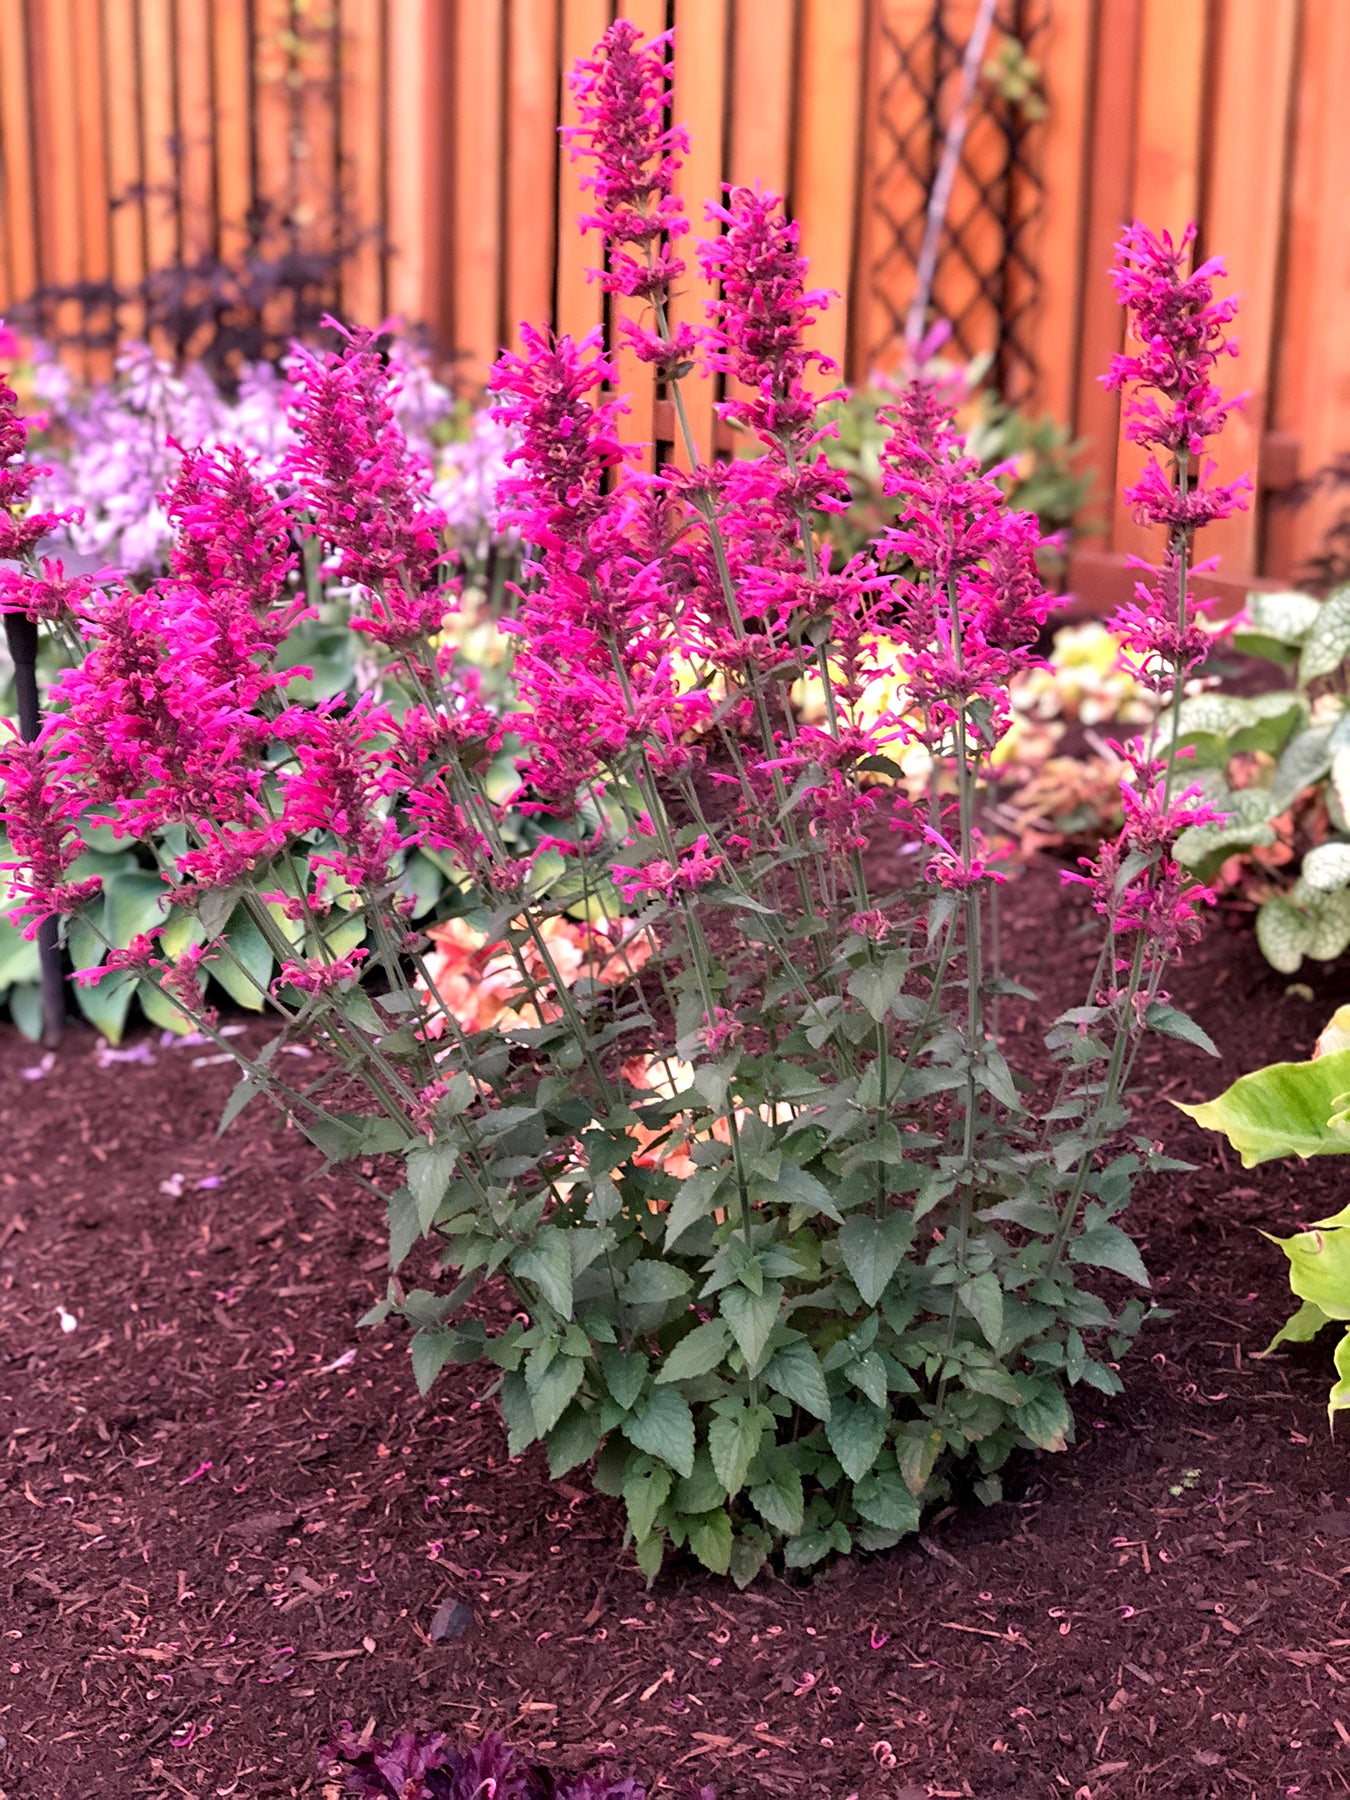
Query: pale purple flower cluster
pixel 116 447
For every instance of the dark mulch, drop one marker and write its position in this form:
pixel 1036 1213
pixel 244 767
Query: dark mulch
pixel 227 1521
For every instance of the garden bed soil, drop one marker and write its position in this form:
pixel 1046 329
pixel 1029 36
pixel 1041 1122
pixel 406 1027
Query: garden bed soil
pixel 227 1521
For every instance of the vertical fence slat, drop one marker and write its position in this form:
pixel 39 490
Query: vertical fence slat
pixel 125 174
pixel 1313 382
pixel 637 426
pixel 407 175
pixel 579 306
pixel 57 149
pixel 196 148
pixel 1166 197
pixel 1246 170
pixel 825 167
pixel 476 270
pixel 700 88
pixel 231 111
pixel 361 160
pixel 95 249
pixel 273 184
pixel 315 128
pixel 531 163
pixel 761 94
pixel 1114 82
pixel 1058 246
pixel 158 128
pixel 19 268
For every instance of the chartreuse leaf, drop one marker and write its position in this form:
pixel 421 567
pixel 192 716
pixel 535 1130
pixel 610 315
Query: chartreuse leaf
pixel 1319 1269
pixel 1283 1110
pixel 1339 1398
pixel 1301 1327
pixel 873 1250
pixel 663 1426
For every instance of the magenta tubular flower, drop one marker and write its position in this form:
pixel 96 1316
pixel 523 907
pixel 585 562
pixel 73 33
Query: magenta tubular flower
pixel 1173 407
pixel 367 491
pixel 972 614
pixel 231 532
pixel 155 728
pixel 314 975
pixel 21 531
pixel 696 868
pixel 337 786
pixel 756 333
pixel 50 597
pixel 568 442
pixel 621 96
pixel 40 810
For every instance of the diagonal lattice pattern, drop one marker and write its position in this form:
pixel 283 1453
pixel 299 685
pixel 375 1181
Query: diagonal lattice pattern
pixel 988 281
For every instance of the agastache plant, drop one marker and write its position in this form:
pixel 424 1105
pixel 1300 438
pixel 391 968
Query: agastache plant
pixel 790 1247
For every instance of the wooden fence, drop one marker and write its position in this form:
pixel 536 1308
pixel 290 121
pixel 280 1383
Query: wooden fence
pixel 419 137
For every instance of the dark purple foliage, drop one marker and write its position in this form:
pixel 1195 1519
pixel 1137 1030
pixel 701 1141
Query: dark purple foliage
pixel 425 1766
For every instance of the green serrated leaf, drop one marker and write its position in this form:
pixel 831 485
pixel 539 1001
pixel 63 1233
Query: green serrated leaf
pixel 856 1431
pixel 554 1391
pixel 548 1264
pixel 663 1426
pixel 733 1441
pixel 1171 1022
pixel 710 1540
pixel 1045 1419
pixel 778 1499
pixel 884 1499
pixel 650 1283
pixel 698 1353
pixel 873 1250
pixel 752 1318
pixel 430 1167
pixel 573 1440
pixel 645 1491
pixel 794 1371
pixel 1108 1247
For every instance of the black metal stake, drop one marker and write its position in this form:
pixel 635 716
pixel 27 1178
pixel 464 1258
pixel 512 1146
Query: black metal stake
pixel 22 636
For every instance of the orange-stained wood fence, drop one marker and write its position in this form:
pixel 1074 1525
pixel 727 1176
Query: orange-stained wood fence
pixel 420 136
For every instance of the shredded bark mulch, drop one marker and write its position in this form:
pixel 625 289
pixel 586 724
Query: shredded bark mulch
pixel 227 1521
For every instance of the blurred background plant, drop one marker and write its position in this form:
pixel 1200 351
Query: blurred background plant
pixel 1276 763
pixel 1033 458
pixel 114 450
